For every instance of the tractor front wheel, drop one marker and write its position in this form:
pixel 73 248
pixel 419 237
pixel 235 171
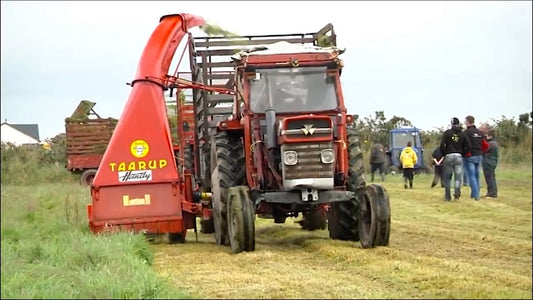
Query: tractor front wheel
pixel 241 219
pixel 342 216
pixel 374 220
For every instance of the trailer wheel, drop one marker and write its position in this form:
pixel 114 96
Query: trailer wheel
pixel 87 177
pixel 227 170
pixel 314 219
pixel 241 219
pixel 374 222
pixel 343 216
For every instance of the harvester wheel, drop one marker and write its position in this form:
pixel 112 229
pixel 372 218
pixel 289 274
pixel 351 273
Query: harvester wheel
pixel 87 177
pixel 174 238
pixel 241 219
pixel 227 170
pixel 374 222
pixel 343 216
pixel 314 220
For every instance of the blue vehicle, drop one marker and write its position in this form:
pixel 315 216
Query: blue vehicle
pixel 398 139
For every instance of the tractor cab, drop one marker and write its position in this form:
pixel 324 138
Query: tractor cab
pixel 292 90
pixel 398 141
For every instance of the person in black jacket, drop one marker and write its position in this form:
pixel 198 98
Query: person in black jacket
pixel 474 157
pixel 453 146
pixel 437 159
pixel 378 159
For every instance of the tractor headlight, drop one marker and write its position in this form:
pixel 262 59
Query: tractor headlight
pixel 327 156
pixel 290 158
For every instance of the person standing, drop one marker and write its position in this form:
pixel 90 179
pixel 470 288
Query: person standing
pixel 453 146
pixel 408 159
pixel 378 161
pixel 490 161
pixel 473 157
pixel 437 164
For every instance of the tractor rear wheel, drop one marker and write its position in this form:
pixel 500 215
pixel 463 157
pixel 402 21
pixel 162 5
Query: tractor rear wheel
pixel 188 161
pixel 374 222
pixel 241 219
pixel 227 170
pixel 87 177
pixel 343 216
pixel 314 219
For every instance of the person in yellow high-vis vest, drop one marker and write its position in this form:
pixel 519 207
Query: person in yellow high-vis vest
pixel 408 159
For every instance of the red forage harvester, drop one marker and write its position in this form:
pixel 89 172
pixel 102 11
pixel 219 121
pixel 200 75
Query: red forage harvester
pixel 137 186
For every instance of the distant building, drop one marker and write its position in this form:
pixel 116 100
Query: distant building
pixel 20 134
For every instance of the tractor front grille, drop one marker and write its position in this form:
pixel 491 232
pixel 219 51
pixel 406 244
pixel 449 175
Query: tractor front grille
pixel 309 164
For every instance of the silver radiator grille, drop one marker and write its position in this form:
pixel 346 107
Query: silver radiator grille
pixel 309 164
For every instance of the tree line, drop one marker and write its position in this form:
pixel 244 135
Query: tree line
pixel 514 136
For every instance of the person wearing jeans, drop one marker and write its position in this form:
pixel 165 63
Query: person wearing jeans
pixel 452 165
pixel 474 157
pixel 490 161
pixel 453 146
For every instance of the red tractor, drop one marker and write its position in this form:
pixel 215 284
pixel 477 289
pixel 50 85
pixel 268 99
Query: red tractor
pixel 271 137
pixel 281 145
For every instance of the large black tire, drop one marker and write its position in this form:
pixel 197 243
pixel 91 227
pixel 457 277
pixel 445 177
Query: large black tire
pixel 374 221
pixel 174 238
pixel 87 177
pixel 227 170
pixel 314 220
pixel 241 219
pixel 188 161
pixel 343 216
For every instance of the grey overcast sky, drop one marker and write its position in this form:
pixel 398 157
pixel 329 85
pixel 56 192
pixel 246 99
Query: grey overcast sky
pixel 426 61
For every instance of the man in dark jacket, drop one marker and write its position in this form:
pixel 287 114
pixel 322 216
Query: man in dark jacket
pixel 378 161
pixel 453 146
pixel 437 159
pixel 474 157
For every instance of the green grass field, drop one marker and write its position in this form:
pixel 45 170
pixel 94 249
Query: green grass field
pixel 438 249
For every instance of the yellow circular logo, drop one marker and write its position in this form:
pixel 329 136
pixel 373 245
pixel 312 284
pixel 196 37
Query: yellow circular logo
pixel 139 148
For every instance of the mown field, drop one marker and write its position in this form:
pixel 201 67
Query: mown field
pixel 438 249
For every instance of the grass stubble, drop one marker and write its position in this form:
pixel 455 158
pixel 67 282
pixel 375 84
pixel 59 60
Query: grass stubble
pixel 438 249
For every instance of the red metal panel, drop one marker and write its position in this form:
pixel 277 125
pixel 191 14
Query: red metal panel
pixel 84 161
pixel 116 203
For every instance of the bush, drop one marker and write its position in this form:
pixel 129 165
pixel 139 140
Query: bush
pixel 32 164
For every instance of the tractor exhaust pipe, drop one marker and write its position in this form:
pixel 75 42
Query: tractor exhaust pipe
pixel 271 137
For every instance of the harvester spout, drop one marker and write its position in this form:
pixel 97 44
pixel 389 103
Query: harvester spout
pixel 159 51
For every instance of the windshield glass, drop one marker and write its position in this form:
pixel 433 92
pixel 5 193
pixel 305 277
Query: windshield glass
pixel 292 90
pixel 401 138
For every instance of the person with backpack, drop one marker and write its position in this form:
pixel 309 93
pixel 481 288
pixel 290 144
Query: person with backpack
pixel 453 146
pixel 408 159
